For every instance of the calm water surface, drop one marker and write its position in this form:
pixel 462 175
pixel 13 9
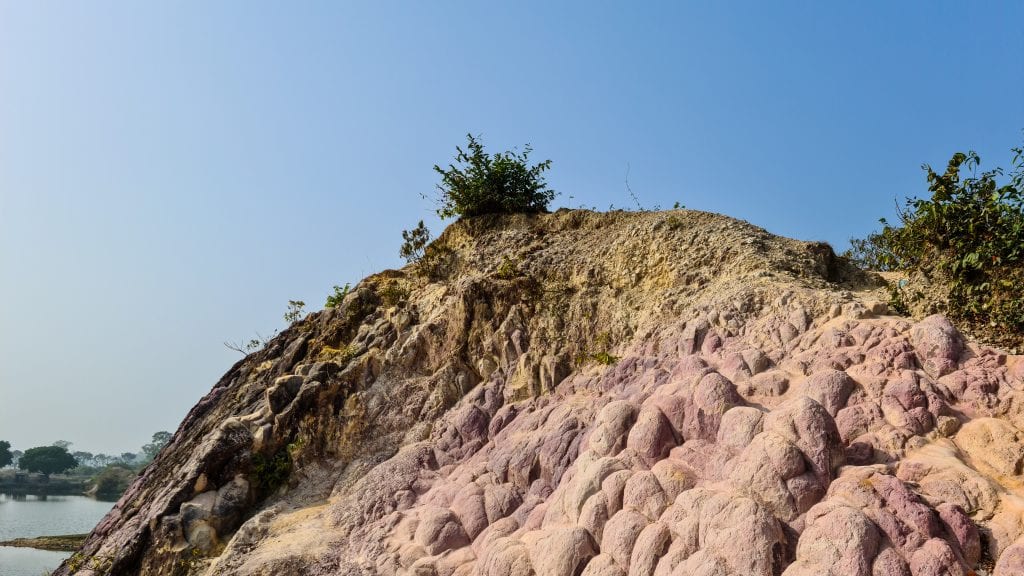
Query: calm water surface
pixel 24 517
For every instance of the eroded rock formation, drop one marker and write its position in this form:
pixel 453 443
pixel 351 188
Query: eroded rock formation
pixel 641 394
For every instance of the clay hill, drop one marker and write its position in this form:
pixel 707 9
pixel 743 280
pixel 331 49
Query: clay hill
pixel 660 393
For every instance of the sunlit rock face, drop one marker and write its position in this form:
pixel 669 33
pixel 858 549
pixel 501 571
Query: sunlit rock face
pixel 617 394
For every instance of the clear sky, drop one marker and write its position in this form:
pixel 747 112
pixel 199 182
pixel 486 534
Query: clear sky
pixel 171 174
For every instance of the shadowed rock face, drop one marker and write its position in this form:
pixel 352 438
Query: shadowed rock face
pixel 759 413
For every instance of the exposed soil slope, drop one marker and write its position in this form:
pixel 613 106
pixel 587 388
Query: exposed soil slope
pixel 673 393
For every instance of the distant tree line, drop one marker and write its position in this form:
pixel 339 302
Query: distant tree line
pixel 111 474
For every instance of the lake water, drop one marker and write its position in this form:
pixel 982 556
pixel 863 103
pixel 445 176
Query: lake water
pixel 28 516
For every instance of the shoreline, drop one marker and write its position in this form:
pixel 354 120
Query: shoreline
pixel 64 543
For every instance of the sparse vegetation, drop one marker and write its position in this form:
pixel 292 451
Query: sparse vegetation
pixel 271 472
pixel 295 311
pixel 504 183
pixel 414 243
pixel 967 237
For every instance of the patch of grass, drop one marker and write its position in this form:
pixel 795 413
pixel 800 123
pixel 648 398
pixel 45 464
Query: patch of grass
pixel 674 222
pixel 340 355
pixel 599 353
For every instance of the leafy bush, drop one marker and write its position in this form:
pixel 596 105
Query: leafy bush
pixel 338 297
pixel 485 184
pixel 969 236
pixel 415 241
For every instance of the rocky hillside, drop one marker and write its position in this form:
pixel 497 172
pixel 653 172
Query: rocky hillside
pixel 673 393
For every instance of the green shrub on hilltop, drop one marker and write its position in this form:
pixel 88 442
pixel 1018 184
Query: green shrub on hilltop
pixel 967 236
pixel 500 184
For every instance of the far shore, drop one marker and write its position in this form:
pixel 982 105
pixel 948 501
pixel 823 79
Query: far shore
pixel 66 543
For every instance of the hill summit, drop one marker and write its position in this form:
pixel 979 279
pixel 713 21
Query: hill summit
pixel 597 394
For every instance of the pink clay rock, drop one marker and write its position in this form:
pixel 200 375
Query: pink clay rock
pixel 506 557
pixel 676 554
pixel 713 396
pixel 559 551
pixel 650 546
pixel 935 558
pixel 812 430
pixel 468 506
pixel 613 486
pixel 722 525
pixel 439 530
pixel 559 449
pixel 739 426
pixel 652 436
pixel 702 564
pixel 765 384
pixel 620 534
pixel 674 477
pixel 594 515
pixel 890 563
pixel 500 500
pixel 1015 375
pixel 612 426
pixel 1011 562
pixel 893 354
pixel 735 368
pixel 992 445
pixel 837 540
pixel 603 565
pixel 938 344
pixel 854 421
pixel 940 476
pixel 830 388
pixel 568 500
pixel 762 469
pixel 672 401
pixel 963 530
pixel 643 494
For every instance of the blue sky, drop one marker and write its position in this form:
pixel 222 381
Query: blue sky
pixel 171 174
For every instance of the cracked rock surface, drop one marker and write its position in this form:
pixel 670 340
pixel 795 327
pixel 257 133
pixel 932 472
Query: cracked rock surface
pixel 621 394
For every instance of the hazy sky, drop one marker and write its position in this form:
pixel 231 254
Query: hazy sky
pixel 171 174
